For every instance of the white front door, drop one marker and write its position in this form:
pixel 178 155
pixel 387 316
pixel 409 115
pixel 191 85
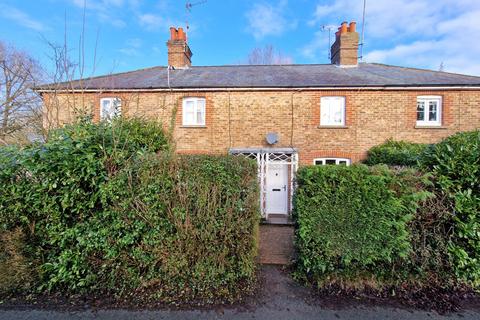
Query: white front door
pixel 277 189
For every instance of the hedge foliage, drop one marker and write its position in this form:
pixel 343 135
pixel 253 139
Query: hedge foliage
pixel 394 226
pixel 396 153
pixel 455 163
pixel 107 208
pixel 354 221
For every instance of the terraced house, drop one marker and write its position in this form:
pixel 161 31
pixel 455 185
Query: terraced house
pixel 281 115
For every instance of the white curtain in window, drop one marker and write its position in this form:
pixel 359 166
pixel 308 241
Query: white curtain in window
pixel 332 111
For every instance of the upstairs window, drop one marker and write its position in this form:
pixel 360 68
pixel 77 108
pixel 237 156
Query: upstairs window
pixel 193 112
pixel 332 111
pixel 331 161
pixel 110 108
pixel 429 111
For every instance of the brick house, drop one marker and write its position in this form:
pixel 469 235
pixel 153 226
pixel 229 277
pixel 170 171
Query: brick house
pixel 281 115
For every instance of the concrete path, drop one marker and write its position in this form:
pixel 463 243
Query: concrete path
pixel 285 300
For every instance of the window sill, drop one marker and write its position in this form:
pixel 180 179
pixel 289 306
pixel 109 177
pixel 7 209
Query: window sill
pixel 429 127
pixel 194 127
pixel 332 127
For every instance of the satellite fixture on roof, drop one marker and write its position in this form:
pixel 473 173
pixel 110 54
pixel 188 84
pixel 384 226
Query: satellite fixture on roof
pixel 329 28
pixel 272 138
pixel 362 42
pixel 188 7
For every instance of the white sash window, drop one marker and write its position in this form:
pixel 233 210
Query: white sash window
pixel 332 111
pixel 429 111
pixel 110 108
pixel 193 112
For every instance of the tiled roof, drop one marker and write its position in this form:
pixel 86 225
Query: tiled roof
pixel 274 76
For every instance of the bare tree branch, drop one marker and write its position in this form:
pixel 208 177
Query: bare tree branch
pixel 267 56
pixel 19 104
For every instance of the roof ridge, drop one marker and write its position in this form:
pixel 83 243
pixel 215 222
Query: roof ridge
pixel 423 69
pixel 262 65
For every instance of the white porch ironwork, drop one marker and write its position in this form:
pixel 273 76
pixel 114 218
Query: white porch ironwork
pixel 264 157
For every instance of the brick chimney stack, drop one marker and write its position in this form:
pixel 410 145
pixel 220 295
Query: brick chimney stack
pixel 344 51
pixel 179 53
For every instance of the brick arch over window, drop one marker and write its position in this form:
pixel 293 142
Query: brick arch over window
pixel 307 157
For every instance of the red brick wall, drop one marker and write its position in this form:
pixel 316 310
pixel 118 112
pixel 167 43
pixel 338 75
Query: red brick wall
pixel 241 119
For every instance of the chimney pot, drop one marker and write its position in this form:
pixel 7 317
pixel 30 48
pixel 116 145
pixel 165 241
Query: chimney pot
pixel 343 28
pixel 181 34
pixel 352 27
pixel 173 33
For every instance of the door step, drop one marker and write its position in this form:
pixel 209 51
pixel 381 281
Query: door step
pixel 276 244
pixel 281 219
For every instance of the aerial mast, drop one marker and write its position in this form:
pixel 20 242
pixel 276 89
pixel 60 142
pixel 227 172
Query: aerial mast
pixel 188 10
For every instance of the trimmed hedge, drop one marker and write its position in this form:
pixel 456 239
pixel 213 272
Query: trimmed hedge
pixel 455 163
pixel 188 227
pixel 106 208
pixel 395 153
pixel 353 222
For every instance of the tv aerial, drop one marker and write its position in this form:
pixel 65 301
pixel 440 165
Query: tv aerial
pixel 188 9
pixel 329 28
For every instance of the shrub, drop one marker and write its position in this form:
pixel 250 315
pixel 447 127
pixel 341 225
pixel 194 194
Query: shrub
pixel 455 163
pixel 353 221
pixel 107 208
pixel 395 153
pixel 187 225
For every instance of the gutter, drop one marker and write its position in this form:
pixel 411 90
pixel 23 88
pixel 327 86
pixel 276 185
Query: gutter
pixel 376 88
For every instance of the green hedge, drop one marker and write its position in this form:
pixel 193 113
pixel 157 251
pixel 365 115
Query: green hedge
pixel 189 226
pixel 455 163
pixel 395 153
pixel 107 208
pixel 353 222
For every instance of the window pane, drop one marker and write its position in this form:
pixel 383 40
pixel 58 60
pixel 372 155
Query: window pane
pixel 325 112
pixel 107 108
pixel 337 115
pixel 330 161
pixel 420 110
pixel 189 118
pixel 318 162
pixel 432 114
pixel 189 113
pixel 200 111
pixel 200 116
pixel 337 111
pixel 116 107
pixel 342 162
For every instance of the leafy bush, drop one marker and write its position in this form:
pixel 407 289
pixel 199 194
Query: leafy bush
pixel 395 153
pixel 107 208
pixel 353 221
pixel 455 163
pixel 187 225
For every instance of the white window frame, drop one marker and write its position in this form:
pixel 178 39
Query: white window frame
pixel 117 112
pixel 425 122
pixel 323 104
pixel 337 161
pixel 196 107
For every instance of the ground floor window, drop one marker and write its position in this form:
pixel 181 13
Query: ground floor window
pixel 110 108
pixel 331 161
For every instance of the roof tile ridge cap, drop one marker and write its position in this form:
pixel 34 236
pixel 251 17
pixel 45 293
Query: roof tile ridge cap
pixel 423 69
pixel 263 65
